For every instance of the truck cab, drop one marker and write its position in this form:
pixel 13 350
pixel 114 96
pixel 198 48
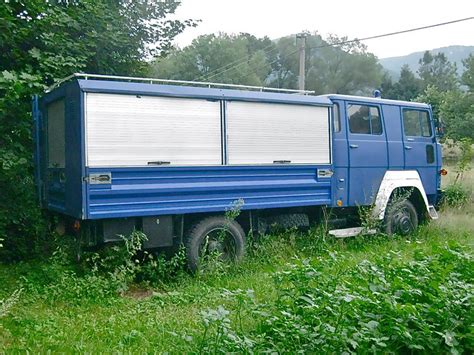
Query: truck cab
pixel 372 136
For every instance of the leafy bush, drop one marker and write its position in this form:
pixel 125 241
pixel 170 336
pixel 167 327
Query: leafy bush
pixel 41 42
pixel 384 305
pixel 464 163
pixel 455 195
pixel 102 275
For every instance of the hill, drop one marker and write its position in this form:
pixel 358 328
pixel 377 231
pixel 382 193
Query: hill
pixel 454 54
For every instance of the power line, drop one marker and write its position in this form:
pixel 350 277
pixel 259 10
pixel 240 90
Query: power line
pixel 235 62
pixel 346 42
pixel 242 62
pixel 397 32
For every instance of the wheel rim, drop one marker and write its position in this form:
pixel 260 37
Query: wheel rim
pixel 219 242
pixel 402 221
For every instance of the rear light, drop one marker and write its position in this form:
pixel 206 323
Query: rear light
pixel 76 226
pixel 443 172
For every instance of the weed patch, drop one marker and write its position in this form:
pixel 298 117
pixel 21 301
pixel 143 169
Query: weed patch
pixel 295 291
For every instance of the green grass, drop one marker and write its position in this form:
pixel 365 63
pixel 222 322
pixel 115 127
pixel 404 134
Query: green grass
pixel 295 291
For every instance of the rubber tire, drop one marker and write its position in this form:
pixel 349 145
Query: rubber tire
pixel 200 230
pixel 392 208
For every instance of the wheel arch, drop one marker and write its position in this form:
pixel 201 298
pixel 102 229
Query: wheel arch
pixel 395 182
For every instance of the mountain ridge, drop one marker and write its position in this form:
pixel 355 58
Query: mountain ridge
pixel 454 53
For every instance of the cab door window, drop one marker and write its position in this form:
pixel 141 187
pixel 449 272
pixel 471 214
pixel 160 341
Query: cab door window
pixel 364 119
pixel 416 123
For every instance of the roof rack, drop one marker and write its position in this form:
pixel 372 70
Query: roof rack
pixel 179 82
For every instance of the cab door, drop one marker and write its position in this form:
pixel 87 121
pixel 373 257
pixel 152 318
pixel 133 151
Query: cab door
pixel 368 153
pixel 54 155
pixel 419 145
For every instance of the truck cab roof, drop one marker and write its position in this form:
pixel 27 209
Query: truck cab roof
pixel 375 100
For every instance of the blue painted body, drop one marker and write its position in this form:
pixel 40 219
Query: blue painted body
pixel 153 191
pixel 178 190
pixel 359 169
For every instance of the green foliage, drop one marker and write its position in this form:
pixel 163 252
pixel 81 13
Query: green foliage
pixel 464 163
pixel 376 305
pixel 407 88
pixel 341 69
pixel 438 85
pixel 245 59
pixel 455 108
pixel 210 52
pixel 40 42
pixel 7 304
pixel 296 292
pixel 468 75
pixel 455 195
pixel 438 71
pixel 102 276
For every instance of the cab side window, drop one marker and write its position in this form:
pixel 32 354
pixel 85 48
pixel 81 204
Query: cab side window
pixel 416 123
pixel 364 119
pixel 337 118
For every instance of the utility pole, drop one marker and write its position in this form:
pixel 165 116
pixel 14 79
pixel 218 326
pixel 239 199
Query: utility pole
pixel 302 37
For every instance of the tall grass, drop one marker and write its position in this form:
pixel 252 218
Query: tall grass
pixel 294 292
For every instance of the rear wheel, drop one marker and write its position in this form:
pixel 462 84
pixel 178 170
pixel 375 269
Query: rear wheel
pixel 400 218
pixel 216 237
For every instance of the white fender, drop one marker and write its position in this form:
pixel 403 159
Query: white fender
pixel 392 180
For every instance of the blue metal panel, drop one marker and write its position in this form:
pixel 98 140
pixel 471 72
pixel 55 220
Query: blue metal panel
pixel 416 157
pixel 340 156
pixel 74 155
pixel 37 144
pixel 63 186
pixel 178 190
pixel 368 161
pixel 393 124
pixel 434 199
pixel 117 87
pixel 53 178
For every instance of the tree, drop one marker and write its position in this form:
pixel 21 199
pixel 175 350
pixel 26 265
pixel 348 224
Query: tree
pixel 438 71
pixel 206 58
pixel 330 66
pixel 455 108
pixel 343 68
pixel 245 59
pixel 468 75
pixel 42 41
pixel 285 67
pixel 407 88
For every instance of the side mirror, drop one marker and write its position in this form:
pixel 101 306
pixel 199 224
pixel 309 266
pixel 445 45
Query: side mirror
pixel 439 127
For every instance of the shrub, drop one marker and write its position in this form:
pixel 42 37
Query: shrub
pixel 455 195
pixel 385 305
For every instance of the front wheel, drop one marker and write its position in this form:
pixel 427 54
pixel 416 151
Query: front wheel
pixel 214 236
pixel 400 218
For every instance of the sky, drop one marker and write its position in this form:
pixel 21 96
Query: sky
pixel 355 19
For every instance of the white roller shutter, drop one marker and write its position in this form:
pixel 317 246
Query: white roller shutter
pixel 263 133
pixel 128 130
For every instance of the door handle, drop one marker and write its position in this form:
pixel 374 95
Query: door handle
pixel 410 139
pixel 353 146
pixel 407 147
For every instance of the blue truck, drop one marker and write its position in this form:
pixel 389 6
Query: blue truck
pixel 118 154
